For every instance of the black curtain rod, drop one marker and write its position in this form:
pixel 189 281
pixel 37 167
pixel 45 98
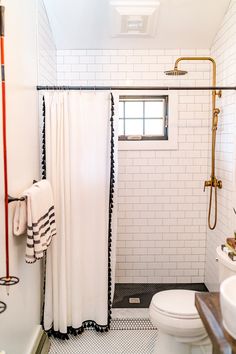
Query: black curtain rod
pixel 129 88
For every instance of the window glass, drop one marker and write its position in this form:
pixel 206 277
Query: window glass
pixel 121 109
pixel 134 127
pixel 121 127
pixel 143 116
pixel 154 109
pixel 134 109
pixel 154 127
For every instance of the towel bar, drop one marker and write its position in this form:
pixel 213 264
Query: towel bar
pixel 13 199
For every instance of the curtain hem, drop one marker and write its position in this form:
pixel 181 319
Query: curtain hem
pixel 76 331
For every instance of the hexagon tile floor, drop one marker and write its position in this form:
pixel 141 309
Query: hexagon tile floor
pixel 127 336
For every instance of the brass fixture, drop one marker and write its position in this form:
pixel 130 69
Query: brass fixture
pixel 213 182
pixel 176 72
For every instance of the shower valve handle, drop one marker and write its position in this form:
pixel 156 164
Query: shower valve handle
pixel 207 184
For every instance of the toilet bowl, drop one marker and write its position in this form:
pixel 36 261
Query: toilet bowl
pixel 181 330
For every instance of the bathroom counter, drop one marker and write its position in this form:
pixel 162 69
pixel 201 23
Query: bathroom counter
pixel 208 306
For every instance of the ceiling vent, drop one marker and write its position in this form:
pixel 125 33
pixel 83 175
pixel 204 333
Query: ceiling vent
pixel 134 18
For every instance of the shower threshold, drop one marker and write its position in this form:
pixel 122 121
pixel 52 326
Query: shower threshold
pixel 133 295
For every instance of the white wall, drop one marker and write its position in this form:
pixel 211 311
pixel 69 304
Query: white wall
pixel 47 69
pixel 224 51
pixel 20 322
pixel 162 207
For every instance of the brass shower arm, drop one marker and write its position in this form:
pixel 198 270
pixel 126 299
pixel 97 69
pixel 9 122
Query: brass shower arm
pixel 200 58
pixel 214 92
pixel 195 58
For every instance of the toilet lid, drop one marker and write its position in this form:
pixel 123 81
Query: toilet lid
pixel 176 303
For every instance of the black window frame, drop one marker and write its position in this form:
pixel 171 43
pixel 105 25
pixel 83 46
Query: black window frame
pixel 143 98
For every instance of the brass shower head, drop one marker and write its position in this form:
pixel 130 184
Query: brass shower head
pixel 175 72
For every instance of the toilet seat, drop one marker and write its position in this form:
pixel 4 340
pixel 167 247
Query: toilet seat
pixel 177 304
pixel 180 328
pixel 174 312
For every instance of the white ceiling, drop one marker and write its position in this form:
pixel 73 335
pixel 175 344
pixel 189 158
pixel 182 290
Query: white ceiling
pixel 88 24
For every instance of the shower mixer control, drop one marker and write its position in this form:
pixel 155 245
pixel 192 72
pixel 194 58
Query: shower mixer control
pixel 213 183
pixel 217 93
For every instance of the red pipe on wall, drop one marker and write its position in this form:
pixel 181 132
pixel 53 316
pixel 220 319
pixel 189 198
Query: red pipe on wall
pixel 7 280
pixel 4 134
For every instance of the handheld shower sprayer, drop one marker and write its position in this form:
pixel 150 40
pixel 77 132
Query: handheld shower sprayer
pixel 213 182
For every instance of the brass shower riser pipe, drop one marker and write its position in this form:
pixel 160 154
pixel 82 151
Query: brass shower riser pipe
pixel 138 88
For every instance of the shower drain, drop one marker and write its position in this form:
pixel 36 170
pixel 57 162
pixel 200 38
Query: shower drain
pixel 134 300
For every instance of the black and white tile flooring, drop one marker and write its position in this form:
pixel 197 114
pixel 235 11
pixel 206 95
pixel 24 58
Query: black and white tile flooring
pixel 128 335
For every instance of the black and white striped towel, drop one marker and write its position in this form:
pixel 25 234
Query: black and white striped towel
pixel 40 219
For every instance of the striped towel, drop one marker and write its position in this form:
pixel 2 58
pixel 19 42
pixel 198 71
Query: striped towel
pixel 40 219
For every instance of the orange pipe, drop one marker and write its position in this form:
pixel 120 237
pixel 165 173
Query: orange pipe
pixel 5 154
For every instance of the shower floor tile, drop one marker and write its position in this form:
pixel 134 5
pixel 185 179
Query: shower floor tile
pixel 126 336
pixel 145 292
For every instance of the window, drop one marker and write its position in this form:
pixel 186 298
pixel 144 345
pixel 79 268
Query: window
pixel 143 118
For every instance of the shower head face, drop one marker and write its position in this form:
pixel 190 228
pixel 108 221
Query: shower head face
pixel 175 72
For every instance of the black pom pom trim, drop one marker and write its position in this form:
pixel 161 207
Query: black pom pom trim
pixel 111 192
pixel 43 164
pixel 43 152
pixel 76 331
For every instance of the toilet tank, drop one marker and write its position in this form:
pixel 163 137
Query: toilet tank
pixel 227 267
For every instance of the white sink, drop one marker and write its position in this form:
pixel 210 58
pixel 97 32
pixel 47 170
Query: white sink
pixel 228 304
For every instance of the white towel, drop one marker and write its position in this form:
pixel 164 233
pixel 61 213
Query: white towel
pixel 40 219
pixel 20 219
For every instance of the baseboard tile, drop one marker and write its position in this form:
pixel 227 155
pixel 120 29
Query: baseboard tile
pixel 42 343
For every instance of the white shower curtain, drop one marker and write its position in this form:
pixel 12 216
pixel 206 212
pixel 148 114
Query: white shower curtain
pixel 78 161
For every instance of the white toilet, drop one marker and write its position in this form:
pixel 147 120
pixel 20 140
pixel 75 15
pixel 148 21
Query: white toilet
pixel 173 312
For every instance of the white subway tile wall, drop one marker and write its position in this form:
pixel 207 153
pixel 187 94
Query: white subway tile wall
pixel 224 51
pixel 47 63
pixel 47 66
pixel 162 207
